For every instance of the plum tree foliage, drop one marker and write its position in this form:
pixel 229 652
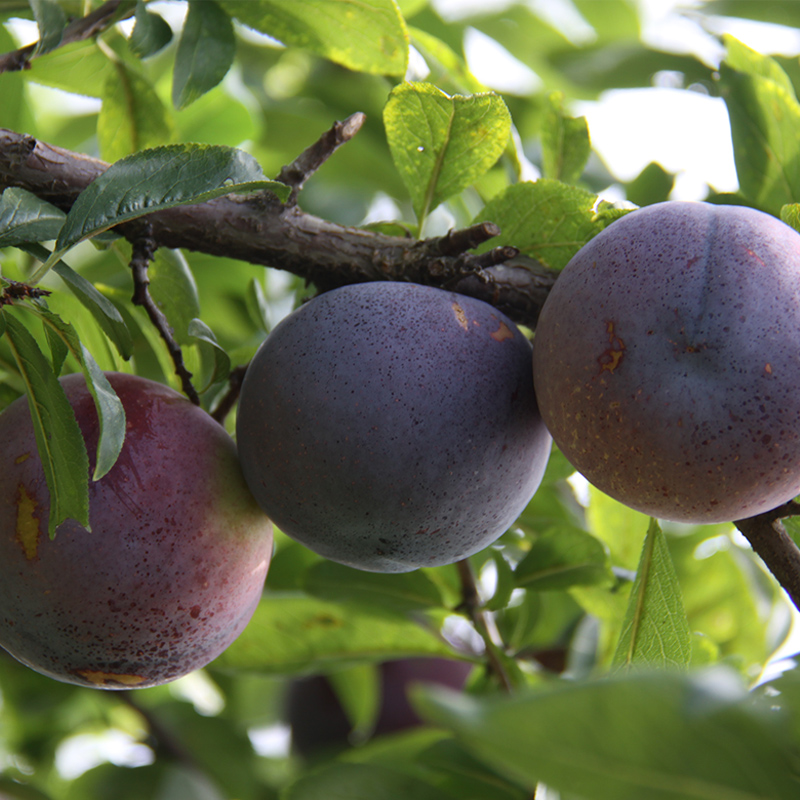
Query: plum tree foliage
pixel 325 191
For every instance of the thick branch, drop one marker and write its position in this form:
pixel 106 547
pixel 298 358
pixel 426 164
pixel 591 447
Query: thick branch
pixel 776 548
pixel 259 230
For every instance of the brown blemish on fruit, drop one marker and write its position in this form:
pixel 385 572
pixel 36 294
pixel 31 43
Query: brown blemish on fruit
pixel 27 523
pixel 460 316
pixel 99 678
pixel 502 333
pixel 612 356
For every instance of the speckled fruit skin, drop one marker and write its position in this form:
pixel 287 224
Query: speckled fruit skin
pixel 173 567
pixel 667 361
pixel 390 426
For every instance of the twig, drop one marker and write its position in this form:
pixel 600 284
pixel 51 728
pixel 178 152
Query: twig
pixel 77 30
pixel 312 158
pixel 471 605
pixel 249 228
pixel 229 399
pixel 144 247
pixel 769 539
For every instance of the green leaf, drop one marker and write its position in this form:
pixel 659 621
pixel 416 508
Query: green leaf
pixel 562 557
pixel 565 141
pixel 358 690
pixel 340 781
pixel 150 33
pixel 51 20
pixel 110 412
pixel 655 632
pixel 362 35
pixel 101 308
pixel 26 218
pixel 132 116
pixel 174 290
pixel 790 214
pixel 652 185
pixel 157 179
pixel 408 591
pixel 205 52
pixel 58 437
pixel 79 67
pixel 545 219
pixel 621 528
pixel 220 360
pixel 293 633
pixel 661 736
pixel 441 143
pixel 447 66
pixel 765 117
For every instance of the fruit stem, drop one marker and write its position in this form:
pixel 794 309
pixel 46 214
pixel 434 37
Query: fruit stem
pixel 472 606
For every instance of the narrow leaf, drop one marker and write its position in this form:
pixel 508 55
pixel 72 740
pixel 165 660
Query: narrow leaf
pixel 174 290
pixel 655 632
pixel 656 735
pixel 565 141
pixel 51 20
pixel 101 308
pixel 157 179
pixel 362 35
pixel 205 52
pixel 440 143
pixel 132 116
pixel 220 359
pixel 333 634
pixel 26 218
pixel 110 412
pixel 150 32
pixel 58 437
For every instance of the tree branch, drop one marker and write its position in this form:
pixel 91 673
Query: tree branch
pixel 259 230
pixel 76 31
pixel 769 539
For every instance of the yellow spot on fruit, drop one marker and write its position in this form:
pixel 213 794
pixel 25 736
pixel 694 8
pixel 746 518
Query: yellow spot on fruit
pixel 612 356
pixel 460 316
pixel 768 369
pixel 503 332
pixel 27 524
pixel 23 457
pixel 99 678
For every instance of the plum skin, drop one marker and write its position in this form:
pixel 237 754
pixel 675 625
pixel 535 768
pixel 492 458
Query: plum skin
pixel 389 426
pixel 667 359
pixel 175 562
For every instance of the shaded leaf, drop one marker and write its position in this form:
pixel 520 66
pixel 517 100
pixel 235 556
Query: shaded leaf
pixel 661 736
pixel 26 218
pixel 58 437
pixel 157 179
pixel 293 633
pixel 221 362
pixel 562 557
pixel 150 32
pixel 441 143
pixel 205 52
pixel 51 20
pixel 655 632
pixel 362 35
pixel 406 591
pixel 174 290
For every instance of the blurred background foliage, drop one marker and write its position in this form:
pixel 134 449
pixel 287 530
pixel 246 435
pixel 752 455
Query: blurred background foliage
pixel 556 588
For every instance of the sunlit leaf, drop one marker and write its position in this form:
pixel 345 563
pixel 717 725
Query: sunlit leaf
pixel 565 141
pixel 441 143
pixel 655 632
pixel 362 35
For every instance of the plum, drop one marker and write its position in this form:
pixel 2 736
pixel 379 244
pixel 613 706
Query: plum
pixel 390 426
pixel 175 562
pixel 319 723
pixel 667 361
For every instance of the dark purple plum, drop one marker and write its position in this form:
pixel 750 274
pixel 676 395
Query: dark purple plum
pixel 175 562
pixel 667 361
pixel 390 426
